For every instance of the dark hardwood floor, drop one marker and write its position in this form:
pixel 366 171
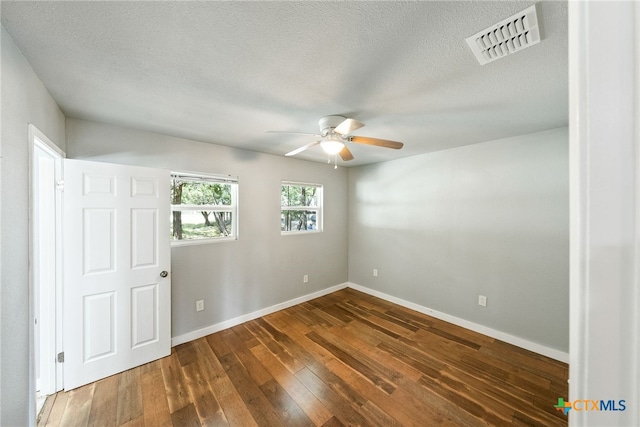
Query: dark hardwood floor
pixel 343 359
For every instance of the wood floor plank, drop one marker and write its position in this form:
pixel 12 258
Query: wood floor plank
pixel 336 403
pixel 253 366
pixel 377 417
pixel 481 406
pixel 245 336
pixel 129 406
pixel 105 402
pixel 339 313
pixel 367 343
pixel 176 389
pixel 418 360
pixel 538 364
pixel 364 354
pixel 285 357
pixel 208 408
pixel 235 411
pixel 286 408
pixel 45 411
pixel 410 317
pixel 537 419
pixel 186 417
pixel 376 397
pixel 430 409
pixel 515 376
pixel 185 353
pixel 315 358
pixel 232 405
pixel 78 407
pixel 303 318
pixel 461 332
pixel 58 409
pixel 346 358
pixel 261 410
pixel 211 368
pixel 326 319
pixel 138 422
pixel 507 393
pixel 388 323
pixel 298 344
pixel 310 404
pixel 156 365
pixel 333 422
pixel 154 399
pixel 218 345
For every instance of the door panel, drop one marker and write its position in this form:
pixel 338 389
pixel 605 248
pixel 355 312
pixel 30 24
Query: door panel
pixel 144 223
pixel 98 241
pixel 117 305
pixel 144 315
pixel 99 318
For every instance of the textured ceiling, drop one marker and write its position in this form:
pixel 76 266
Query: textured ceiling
pixel 226 72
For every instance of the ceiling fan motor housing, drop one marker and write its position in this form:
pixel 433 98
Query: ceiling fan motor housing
pixel 329 123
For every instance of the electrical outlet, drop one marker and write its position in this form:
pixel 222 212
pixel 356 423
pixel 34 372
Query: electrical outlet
pixel 200 305
pixel 375 272
pixel 305 278
pixel 482 300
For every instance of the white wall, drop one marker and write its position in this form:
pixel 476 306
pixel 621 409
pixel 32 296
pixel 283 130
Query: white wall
pixel 490 219
pixel 262 268
pixel 24 100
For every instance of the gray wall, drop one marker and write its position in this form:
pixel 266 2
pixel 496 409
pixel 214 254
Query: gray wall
pixel 263 267
pixel 490 219
pixel 24 100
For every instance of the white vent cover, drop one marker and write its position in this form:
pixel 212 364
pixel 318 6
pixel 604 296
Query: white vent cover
pixel 506 37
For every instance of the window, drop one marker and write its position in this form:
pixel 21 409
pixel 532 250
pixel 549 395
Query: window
pixel 300 207
pixel 203 208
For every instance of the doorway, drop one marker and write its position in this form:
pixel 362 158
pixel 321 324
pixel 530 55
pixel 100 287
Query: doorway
pixel 46 272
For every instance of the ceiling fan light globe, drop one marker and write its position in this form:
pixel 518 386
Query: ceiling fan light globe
pixel 332 146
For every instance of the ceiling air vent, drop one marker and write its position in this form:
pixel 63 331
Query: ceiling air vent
pixel 506 37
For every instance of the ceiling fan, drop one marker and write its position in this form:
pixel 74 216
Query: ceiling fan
pixel 335 132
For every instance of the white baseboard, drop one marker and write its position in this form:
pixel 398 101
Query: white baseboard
pixel 493 333
pixel 199 333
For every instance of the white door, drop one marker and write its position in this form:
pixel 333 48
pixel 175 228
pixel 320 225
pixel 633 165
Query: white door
pixel 117 292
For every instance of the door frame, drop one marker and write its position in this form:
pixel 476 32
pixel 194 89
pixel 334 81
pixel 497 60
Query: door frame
pixel 604 165
pixel 51 372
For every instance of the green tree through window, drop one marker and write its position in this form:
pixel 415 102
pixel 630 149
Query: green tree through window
pixel 202 208
pixel 301 207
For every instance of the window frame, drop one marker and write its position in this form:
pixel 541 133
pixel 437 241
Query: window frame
pixel 318 208
pixel 232 208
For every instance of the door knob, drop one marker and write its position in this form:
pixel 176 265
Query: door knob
pixel 164 274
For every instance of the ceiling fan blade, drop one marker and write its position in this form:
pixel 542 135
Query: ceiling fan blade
pixel 375 141
pixel 301 149
pixel 294 133
pixel 348 126
pixel 346 154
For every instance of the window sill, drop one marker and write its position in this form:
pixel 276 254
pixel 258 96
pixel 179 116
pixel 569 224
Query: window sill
pixel 179 243
pixel 299 233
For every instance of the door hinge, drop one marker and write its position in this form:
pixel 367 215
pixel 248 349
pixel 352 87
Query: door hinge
pixel 61 357
pixel 60 185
